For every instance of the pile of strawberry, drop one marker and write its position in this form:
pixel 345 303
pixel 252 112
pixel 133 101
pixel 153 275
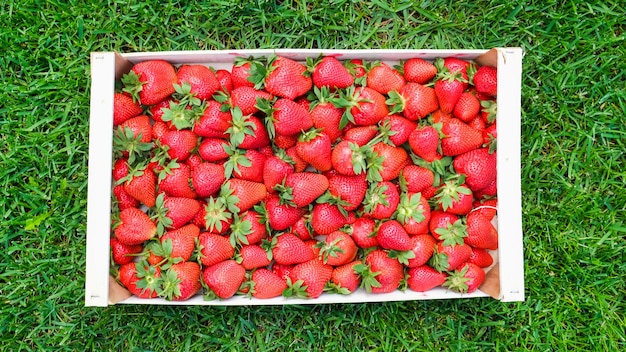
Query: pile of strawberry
pixel 285 178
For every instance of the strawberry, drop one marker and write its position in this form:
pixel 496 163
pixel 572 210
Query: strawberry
pixel 360 135
pixel 449 85
pixel 140 125
pixel 459 137
pixel 467 107
pixel 285 78
pixel 356 68
pixel 141 279
pixel 350 189
pixel 489 111
pixel 424 278
pixel 285 117
pixel 181 281
pixel 302 228
pixel 308 279
pixel 150 81
pixel 180 143
pixel 345 279
pixel 413 213
pixel 330 72
pixel 447 258
pixel 364 106
pixel 283 271
pixel 480 232
pixel 276 168
pixel 424 142
pixel 182 243
pixel 175 183
pixel 466 278
pixel 454 198
pixel 266 284
pixel 327 117
pixel 419 70
pixel 174 212
pixel 381 200
pixel 124 200
pixel 157 110
pixel 383 79
pixel 123 253
pixel 202 80
pixel 440 221
pixel 337 249
pixel 207 179
pixel 258 138
pixel 124 108
pixel 486 207
pixel 245 165
pixel 477 123
pixel 244 98
pixel 302 188
pixel 299 164
pixel 120 169
pixel 241 195
pixel 214 248
pixel 480 257
pixel 349 159
pixel 285 142
pixel 391 235
pixel 326 218
pixel 490 137
pixel 314 147
pixel 393 160
pixel 288 249
pixel 479 166
pixel 397 129
pixel 225 80
pixel 136 227
pixel 390 271
pixel 159 129
pixel 240 72
pixel 224 278
pixel 213 122
pixel 414 101
pixel 247 228
pixel 252 257
pixel 364 231
pixel 416 178
pixel 423 246
pixel 488 192
pixel 486 81
pixel 213 149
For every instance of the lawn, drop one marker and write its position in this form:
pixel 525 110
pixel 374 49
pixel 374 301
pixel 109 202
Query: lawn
pixel 573 146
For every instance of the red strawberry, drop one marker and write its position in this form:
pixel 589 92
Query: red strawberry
pixel 383 79
pixel 477 123
pixel 424 142
pixel 480 232
pixel 212 149
pixel 360 135
pixel 357 69
pixel 124 200
pixel 252 257
pixel 183 242
pixel 123 253
pixel 314 147
pixel 441 220
pixel 488 111
pixel 275 169
pixel 124 108
pixel 480 257
pixel 490 137
pixel 397 129
pixel 330 72
pixel 299 164
pixel 285 142
pixel 286 117
pixel 486 207
pixel 479 166
pixel 350 189
pixel 175 183
pixel 486 80
pixel 302 228
pixel 302 188
pixel 488 192
pixel 449 85
pixel 159 129
pixel 391 235
pixel 202 80
pixel 245 98
pixel 247 228
pixel 414 101
pixel 181 282
pixel 337 249
pixel 259 138
pixel 140 125
pixel 364 107
pixel 246 165
pixel 283 271
pixel 381 200
pixel 135 228
pixel 419 70
pixel 467 107
pixel 156 111
pixel 349 159
pixel 393 160
pixel 240 72
pixel 207 179
pixel 324 114
pixel 459 137
pixel 224 278
pixel 326 218
pixel 214 248
pixel 413 213
pixel 416 178
pixel 180 143
pixel 447 258
pixel 424 278
pixel 141 185
pixel 286 78
pixel 288 249
pixel 151 81
pixel 454 198
pixel 242 194
pixel 141 279
pixel 225 79
pixel 120 169
pixel 466 278
pixel 213 122
pixel 174 212
pixel 345 279
pixel 423 246
pixel 308 279
pixel 266 284
pixel 390 271
pixel 364 232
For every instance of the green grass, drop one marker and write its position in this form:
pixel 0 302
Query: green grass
pixel 573 146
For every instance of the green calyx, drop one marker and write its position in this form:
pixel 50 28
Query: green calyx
pixel 452 234
pixel 409 209
pixel 240 127
pixel 124 140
